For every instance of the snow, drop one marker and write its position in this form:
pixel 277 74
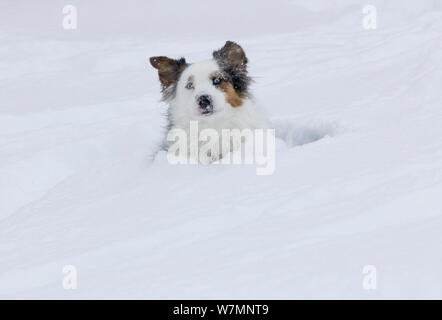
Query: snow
pixel 358 177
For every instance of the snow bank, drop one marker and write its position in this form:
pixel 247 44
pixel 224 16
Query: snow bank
pixel 358 168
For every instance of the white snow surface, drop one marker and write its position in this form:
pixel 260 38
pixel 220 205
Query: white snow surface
pixel 358 177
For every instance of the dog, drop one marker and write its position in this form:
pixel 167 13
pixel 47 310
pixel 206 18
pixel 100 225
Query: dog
pixel 215 93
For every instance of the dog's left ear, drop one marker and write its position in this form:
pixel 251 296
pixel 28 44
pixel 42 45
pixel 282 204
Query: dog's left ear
pixel 169 70
pixel 231 55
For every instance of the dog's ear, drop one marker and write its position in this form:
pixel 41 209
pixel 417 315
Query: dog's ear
pixel 233 61
pixel 231 55
pixel 169 70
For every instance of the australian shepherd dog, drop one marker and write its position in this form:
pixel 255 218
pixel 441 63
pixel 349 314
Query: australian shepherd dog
pixel 214 93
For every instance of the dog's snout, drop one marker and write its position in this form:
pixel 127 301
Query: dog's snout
pixel 205 103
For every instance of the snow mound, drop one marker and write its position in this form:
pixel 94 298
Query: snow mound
pixel 358 169
pixel 296 133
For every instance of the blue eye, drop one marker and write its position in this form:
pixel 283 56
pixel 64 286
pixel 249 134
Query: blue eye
pixel 216 81
pixel 189 85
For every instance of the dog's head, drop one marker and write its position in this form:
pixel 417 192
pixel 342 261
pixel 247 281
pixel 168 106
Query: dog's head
pixel 208 87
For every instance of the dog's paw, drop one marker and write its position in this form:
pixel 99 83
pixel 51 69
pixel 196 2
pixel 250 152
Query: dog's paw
pixel 207 159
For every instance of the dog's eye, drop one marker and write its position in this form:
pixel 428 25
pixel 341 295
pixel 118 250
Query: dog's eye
pixel 216 81
pixel 189 85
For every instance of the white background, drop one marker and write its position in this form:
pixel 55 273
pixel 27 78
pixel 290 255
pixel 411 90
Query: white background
pixel 358 177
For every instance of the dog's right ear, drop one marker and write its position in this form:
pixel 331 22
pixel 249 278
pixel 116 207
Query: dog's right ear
pixel 169 70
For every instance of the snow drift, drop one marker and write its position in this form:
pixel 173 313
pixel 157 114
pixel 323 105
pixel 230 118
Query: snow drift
pixel 358 177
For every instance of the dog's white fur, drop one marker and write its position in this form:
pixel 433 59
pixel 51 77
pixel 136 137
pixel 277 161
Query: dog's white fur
pixel 184 108
pixel 183 105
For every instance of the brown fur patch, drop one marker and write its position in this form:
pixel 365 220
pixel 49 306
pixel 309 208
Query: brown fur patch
pixel 169 70
pixel 231 96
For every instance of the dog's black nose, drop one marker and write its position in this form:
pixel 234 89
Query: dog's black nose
pixel 205 103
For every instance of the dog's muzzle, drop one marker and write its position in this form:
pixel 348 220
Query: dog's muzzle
pixel 205 103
